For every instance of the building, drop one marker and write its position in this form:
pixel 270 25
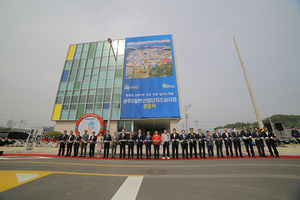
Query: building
pixel 41 130
pixel 115 80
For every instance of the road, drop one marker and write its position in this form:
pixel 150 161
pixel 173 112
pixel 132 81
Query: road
pixel 69 178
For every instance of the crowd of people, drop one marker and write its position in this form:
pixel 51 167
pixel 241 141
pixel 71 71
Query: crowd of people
pixel 189 143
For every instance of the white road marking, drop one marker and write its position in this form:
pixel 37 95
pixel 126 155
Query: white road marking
pixel 22 158
pixel 129 189
pixel 25 177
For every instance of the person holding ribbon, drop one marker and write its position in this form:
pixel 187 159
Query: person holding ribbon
pixel 246 134
pixel 236 142
pixel 165 138
pixel 209 144
pixel 62 143
pixel 201 139
pixel 156 142
pixel 219 143
pixel 269 139
pixel 130 140
pixel 139 144
pixel 184 145
pixel 70 143
pixel 257 135
pixel 114 144
pixel 174 139
pixel 84 142
pixel 77 144
pixel 93 140
pixel 99 145
pixel 123 139
pixel 107 139
pixel 148 141
pixel 228 143
pixel 193 145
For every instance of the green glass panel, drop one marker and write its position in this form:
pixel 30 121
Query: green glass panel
pixel 118 73
pixel 115 114
pixel 68 64
pixel 120 60
pixel 77 85
pixel 98 112
pixel 99 46
pixel 72 115
pixel 91 50
pixel 105 114
pixel 101 84
pixel 80 111
pixel 63 115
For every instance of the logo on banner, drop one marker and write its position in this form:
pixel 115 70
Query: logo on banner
pixel 127 87
pixel 167 86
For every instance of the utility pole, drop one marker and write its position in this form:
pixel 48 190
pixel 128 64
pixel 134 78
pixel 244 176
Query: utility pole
pixel 260 122
pixel 21 123
pixel 271 124
pixel 186 115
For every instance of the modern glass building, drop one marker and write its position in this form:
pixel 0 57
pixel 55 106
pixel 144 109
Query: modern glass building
pixel 92 82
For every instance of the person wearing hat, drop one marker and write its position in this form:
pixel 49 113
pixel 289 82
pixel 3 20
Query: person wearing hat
pixel 183 138
pixel 62 143
pixel 192 139
pixel 219 143
pixel 201 138
pixel 295 134
pixel 174 139
pixel 165 138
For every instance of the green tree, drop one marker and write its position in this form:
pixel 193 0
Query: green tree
pixel 53 134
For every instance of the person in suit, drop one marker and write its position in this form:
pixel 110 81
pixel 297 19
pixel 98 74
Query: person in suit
pixel 209 144
pixel 193 145
pixel 184 145
pixel 259 142
pixel 201 138
pixel 130 140
pixel 227 137
pixel 269 139
pixel 148 141
pixel 165 138
pixel 218 142
pixel 123 138
pixel 93 140
pixel 139 144
pixel 84 142
pixel 174 138
pixel 295 134
pixel 246 134
pixel 156 142
pixel 99 145
pixel 70 143
pixel 62 143
pixel 77 144
pixel 106 139
pixel 114 144
pixel 237 142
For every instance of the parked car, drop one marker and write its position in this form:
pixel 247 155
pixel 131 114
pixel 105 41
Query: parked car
pixel 6 136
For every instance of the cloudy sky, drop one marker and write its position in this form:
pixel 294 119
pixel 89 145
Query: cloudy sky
pixel 35 37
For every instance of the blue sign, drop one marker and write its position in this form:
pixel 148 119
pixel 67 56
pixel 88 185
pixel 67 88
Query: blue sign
pixel 149 78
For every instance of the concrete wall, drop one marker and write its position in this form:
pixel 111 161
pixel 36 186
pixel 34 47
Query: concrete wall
pixel 173 124
pixel 65 125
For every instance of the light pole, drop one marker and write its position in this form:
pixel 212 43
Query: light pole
pixel 112 88
pixel 260 122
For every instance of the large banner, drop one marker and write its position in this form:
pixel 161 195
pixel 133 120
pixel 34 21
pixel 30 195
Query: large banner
pixel 149 79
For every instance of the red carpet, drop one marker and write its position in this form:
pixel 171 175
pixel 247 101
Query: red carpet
pixel 180 158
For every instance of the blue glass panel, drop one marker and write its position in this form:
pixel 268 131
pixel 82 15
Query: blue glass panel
pixel 106 106
pixel 65 75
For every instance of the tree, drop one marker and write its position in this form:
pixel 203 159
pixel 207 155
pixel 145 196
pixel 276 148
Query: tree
pixel 53 134
pixel 10 123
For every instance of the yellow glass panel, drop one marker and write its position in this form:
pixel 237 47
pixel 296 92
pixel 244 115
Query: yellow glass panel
pixel 56 112
pixel 71 52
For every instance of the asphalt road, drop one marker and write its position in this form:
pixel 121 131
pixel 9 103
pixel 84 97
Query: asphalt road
pixel 68 178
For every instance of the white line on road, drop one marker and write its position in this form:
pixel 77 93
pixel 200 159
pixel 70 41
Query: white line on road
pixel 22 158
pixel 129 188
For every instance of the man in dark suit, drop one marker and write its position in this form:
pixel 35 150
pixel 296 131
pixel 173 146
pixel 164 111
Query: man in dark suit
pixel 228 143
pixel 139 144
pixel 259 142
pixel 106 139
pixel 269 139
pixel 184 145
pixel 62 143
pixel 219 143
pixel 193 145
pixel 122 139
pixel 93 140
pixel 130 143
pixel 201 137
pixel 246 134
pixel 70 143
pixel 148 142
pixel 174 138
pixel 77 144
pixel 237 142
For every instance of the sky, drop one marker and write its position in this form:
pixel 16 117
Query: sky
pixel 35 37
